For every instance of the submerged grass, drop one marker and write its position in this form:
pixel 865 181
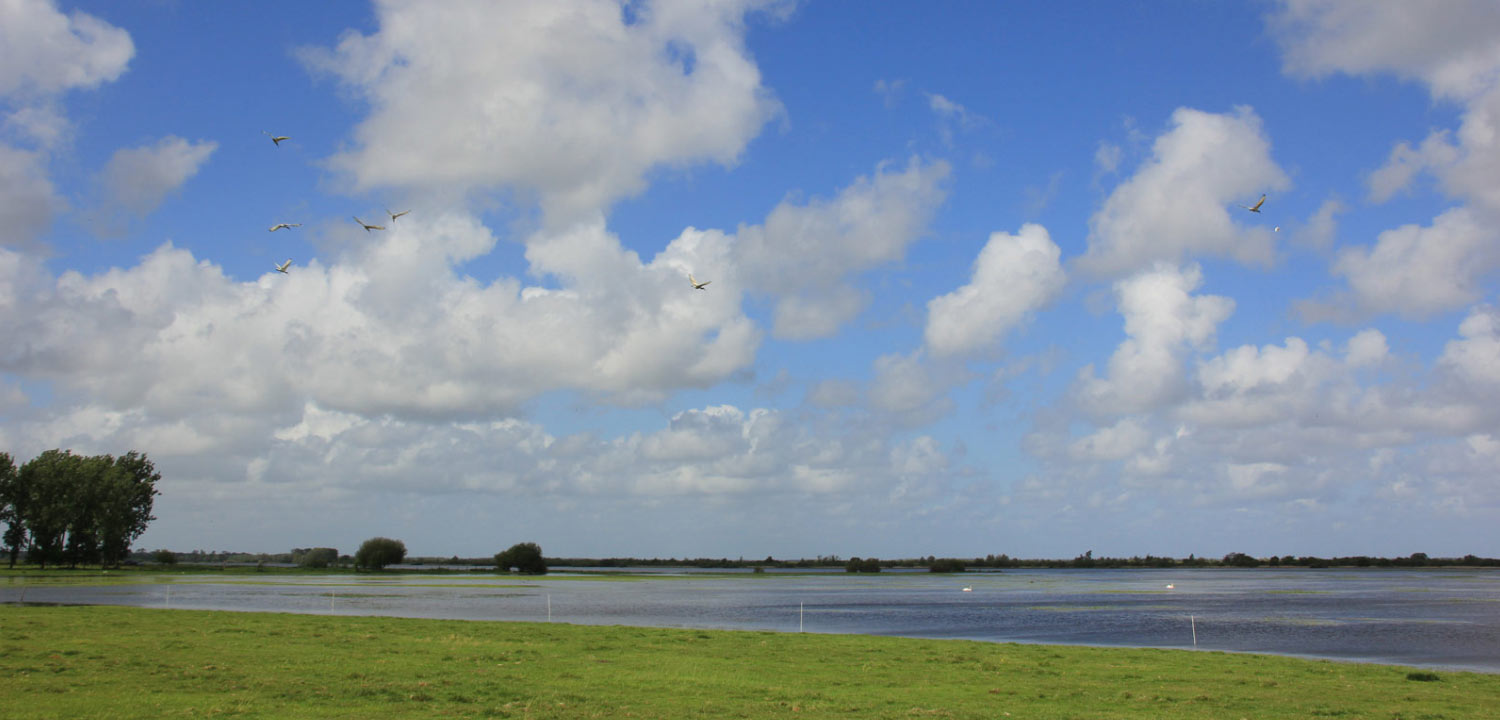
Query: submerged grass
pixel 116 662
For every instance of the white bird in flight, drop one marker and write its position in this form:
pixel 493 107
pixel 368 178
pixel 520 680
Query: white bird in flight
pixel 396 215
pixel 276 138
pixel 368 227
pixel 698 285
pixel 288 226
pixel 1256 207
pixel 282 267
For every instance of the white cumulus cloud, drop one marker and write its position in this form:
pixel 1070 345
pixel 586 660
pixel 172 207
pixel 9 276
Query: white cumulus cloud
pixel 574 102
pixel 1163 319
pixel 1453 48
pixel 1178 205
pixel 1448 45
pixel 1416 271
pixel 138 179
pixel 805 255
pixel 43 51
pixel 1116 442
pixel 1014 276
pixel 391 328
pixel 28 201
pixel 1476 356
pixel 1366 348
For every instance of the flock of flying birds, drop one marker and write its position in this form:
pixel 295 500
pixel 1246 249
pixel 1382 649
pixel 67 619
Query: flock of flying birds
pixel 282 268
pixel 697 285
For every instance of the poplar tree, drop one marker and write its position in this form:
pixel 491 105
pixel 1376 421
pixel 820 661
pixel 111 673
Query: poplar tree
pixel 77 509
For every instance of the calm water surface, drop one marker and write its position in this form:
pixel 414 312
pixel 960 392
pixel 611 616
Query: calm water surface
pixel 1431 618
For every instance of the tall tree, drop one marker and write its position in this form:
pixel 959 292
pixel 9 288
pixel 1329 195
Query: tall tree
pixel 129 492
pixel 77 509
pixel 12 499
pixel 89 502
pixel 48 481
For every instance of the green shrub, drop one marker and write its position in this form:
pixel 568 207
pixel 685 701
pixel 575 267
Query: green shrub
pixel 378 552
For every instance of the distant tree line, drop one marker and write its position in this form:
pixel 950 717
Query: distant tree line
pixel 1003 561
pixel 1237 559
pixel 536 562
pixel 62 508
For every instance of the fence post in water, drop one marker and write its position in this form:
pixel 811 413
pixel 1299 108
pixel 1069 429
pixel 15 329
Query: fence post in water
pixel 799 617
pixel 1194 620
pixel 549 607
pixel 333 594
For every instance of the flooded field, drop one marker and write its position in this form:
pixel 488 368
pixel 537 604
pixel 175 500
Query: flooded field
pixel 1434 618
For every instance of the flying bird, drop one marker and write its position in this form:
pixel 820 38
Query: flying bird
pixel 288 226
pixel 1256 207
pixel 368 227
pixel 1278 229
pixel 276 138
pixel 282 267
pixel 698 285
pixel 396 215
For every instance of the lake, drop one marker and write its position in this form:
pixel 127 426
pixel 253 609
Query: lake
pixel 1439 618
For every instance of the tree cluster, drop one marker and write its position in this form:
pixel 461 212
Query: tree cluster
pixel 316 557
pixel 74 509
pixel 525 557
pixel 862 565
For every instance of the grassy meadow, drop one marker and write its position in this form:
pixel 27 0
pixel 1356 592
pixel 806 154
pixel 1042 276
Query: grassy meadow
pixel 117 662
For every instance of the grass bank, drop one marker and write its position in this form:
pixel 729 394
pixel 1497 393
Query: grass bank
pixel 116 662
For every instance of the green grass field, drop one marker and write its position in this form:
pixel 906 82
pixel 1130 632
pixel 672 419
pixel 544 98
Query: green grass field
pixel 116 662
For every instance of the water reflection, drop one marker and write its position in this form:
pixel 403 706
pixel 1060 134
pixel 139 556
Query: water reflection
pixel 1436 618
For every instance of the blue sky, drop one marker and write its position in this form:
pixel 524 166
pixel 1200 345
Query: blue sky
pixel 981 278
